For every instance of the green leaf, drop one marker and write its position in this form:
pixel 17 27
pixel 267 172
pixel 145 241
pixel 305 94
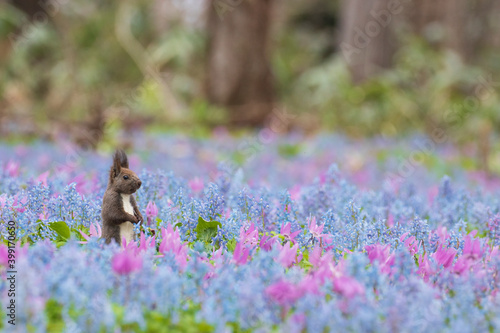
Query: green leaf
pixel 61 228
pixel 231 245
pixel 206 230
pixel 60 243
pixel 77 235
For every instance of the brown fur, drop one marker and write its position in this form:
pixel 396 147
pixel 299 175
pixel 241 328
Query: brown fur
pixel 113 214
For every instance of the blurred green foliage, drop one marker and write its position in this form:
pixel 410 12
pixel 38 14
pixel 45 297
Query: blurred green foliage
pixel 427 89
pixel 76 72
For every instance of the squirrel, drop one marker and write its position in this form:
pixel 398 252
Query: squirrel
pixel 119 208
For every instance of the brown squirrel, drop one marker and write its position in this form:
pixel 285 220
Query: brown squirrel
pixel 119 209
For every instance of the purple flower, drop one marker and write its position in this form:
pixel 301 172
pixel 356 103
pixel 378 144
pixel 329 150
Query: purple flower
pixel 382 255
pixel 126 262
pixel 43 178
pixel 12 168
pixel 472 248
pixel 287 254
pixel 147 243
pixel 348 286
pixel 249 237
pixel 286 232
pixel 266 242
pixel 284 292
pixel 172 243
pixel 94 231
pixel 196 185
pixel 424 268
pixel 445 256
pixel 151 211
pixel 316 230
pixel 241 253
pixel 4 255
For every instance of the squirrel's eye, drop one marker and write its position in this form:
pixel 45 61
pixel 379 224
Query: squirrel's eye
pixel 125 177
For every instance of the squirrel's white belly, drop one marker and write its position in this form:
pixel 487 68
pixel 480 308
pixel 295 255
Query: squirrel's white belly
pixel 127 228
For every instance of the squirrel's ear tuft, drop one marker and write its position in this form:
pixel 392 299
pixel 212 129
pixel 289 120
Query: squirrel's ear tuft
pixel 121 158
pixel 116 168
pixel 120 161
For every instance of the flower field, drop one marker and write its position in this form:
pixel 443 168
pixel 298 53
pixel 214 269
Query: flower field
pixel 290 235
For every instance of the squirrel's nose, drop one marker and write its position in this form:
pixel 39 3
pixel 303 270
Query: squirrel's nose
pixel 139 183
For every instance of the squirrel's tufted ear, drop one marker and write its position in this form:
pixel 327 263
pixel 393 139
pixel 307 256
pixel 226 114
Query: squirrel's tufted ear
pixel 120 161
pixel 117 168
pixel 121 158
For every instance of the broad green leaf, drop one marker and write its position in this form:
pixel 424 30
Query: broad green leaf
pixel 205 230
pixel 61 228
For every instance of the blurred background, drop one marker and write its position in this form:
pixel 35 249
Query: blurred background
pixel 96 72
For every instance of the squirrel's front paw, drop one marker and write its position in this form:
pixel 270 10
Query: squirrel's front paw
pixel 138 217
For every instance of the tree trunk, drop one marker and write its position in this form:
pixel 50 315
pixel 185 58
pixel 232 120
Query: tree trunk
pixel 369 30
pixel 368 40
pixel 238 69
pixel 441 23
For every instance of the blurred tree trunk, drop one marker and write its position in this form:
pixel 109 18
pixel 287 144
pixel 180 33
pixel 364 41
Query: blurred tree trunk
pixel 30 7
pixel 238 69
pixel 441 23
pixel 466 26
pixel 369 29
pixel 368 41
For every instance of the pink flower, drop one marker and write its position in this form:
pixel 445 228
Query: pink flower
pixel 22 204
pixel 42 178
pixel 12 168
pixel 196 184
pixel 151 211
pixel 432 194
pixel 43 215
pixel 472 248
pixel 266 242
pixel 390 220
pixel 316 230
pixel 315 256
pixel 285 231
pixel 44 160
pixel 310 284
pixel 461 265
pixel 348 286
pixel 80 182
pixel 287 254
pixel 380 253
pixel 424 268
pixel 217 255
pixel 295 193
pixel 241 253
pixel 4 255
pixel 93 232
pixel 147 243
pixel 445 256
pixel 410 243
pixel 126 262
pixel 172 243
pixel 250 237
pixel 322 178
pixel 284 292
pixel 443 234
pixel 21 150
